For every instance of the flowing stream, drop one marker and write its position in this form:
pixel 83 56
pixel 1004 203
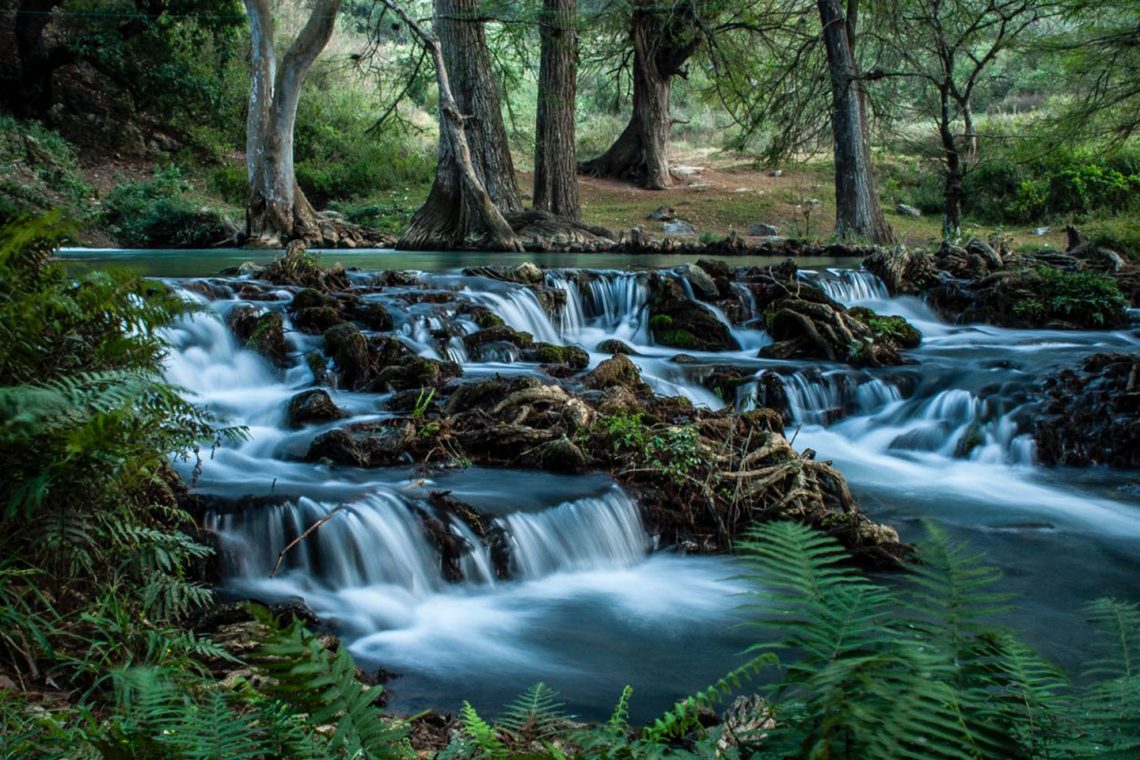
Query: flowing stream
pixel 592 607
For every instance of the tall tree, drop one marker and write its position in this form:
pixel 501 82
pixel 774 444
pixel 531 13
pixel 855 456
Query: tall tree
pixel 664 36
pixel 948 46
pixel 277 210
pixel 555 149
pixel 459 26
pixel 858 213
pixel 459 211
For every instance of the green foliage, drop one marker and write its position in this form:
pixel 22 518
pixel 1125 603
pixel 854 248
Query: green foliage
pixel 322 685
pixel 1086 298
pixel 161 212
pixel 40 170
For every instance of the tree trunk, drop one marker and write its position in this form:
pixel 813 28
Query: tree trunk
pixel 664 38
pixel 952 159
pixel 555 151
pixel 458 212
pixel 277 210
pixel 459 27
pixel 971 134
pixel 857 210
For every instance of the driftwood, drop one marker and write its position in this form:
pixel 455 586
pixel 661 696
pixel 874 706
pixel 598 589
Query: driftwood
pixel 308 531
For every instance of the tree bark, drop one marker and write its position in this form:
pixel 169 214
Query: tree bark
pixel 459 27
pixel 277 210
pixel 857 210
pixel 459 211
pixel 664 38
pixel 555 150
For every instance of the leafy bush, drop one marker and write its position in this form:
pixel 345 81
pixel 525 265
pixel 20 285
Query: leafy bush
pixel 39 170
pixel 161 212
pixel 1086 298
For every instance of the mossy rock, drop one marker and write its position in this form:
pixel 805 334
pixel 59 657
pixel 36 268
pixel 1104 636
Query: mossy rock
pixel 889 327
pixel 373 316
pixel 499 334
pixel 348 349
pixel 310 298
pixel 263 333
pixel 416 373
pixel 315 320
pixel 615 346
pixel 675 320
pixel 570 356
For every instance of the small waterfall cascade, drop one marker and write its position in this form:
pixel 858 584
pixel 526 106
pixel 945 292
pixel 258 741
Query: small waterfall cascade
pixel 821 398
pixel 580 535
pixel 380 540
pixel 614 302
pixel 847 286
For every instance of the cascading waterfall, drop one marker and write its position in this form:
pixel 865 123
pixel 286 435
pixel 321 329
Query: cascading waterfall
pixel 948 439
pixel 848 286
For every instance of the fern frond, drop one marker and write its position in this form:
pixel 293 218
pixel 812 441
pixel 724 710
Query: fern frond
pixel 533 715
pixel 486 741
pixel 682 718
pixel 1116 645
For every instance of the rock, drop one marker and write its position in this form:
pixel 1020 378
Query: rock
pixel 373 316
pixel 348 349
pixel 317 319
pixel 902 271
pixel 680 228
pixel 416 372
pixel 618 370
pixel 615 346
pixel 663 214
pixel 677 321
pixel 529 273
pixel 312 406
pixel 1092 417
pixel 572 357
pixel 1074 238
pixel 764 230
pixel 309 298
pixel 776 173
pixel 338 447
pixel 703 285
pixel 263 332
pixel 904 210
pixel 718 269
pixel 499 334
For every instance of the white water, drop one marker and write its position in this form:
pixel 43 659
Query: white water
pixel 589 608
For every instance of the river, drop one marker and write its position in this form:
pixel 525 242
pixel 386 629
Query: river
pixel 595 607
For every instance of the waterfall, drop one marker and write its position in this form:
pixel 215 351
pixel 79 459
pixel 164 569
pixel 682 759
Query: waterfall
pixel 520 309
pixel 578 535
pixel 848 286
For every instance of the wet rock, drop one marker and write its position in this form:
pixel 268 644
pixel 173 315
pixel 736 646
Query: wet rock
pixel 618 370
pixel 983 249
pixel 771 394
pixel 663 214
pixel 821 330
pixel 312 406
pixel 747 722
pixel 764 230
pixel 348 349
pixel 263 332
pixel 572 357
pixel 499 334
pixel 677 321
pixel 418 372
pixel 1092 416
pixel 615 346
pixel 530 273
pixel 684 359
pixel 888 328
pixel 310 298
pixel 373 316
pixel 718 269
pixel 906 210
pixel 317 319
pixel 337 447
pixel 703 285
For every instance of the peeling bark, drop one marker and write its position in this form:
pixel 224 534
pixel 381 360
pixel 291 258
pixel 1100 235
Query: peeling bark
pixel 858 213
pixel 277 211
pixel 555 150
pixel 664 38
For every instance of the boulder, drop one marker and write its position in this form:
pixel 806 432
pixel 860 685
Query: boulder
pixel 348 349
pixel 416 372
pixel 1092 416
pixel 617 371
pixel 572 357
pixel 663 214
pixel 317 319
pixel 312 406
pixel 905 210
pixel 764 230
pixel 703 285
pixel 677 321
pixel 615 346
pixel 337 447
pixel 679 227
pixel 263 332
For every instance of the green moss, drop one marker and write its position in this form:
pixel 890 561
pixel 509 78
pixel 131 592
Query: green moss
pixel 660 321
pixel 888 327
pixel 571 356
pixel 679 339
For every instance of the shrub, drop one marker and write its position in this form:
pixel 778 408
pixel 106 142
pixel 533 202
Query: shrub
pixel 1086 298
pixel 161 212
pixel 40 170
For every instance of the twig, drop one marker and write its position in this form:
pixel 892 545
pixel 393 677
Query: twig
pixel 302 537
